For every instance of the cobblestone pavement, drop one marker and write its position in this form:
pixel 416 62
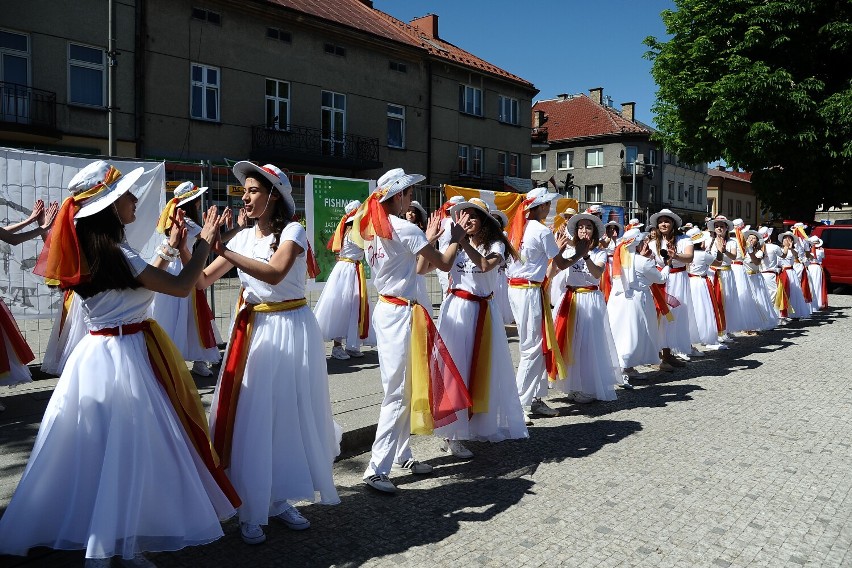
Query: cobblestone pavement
pixel 740 459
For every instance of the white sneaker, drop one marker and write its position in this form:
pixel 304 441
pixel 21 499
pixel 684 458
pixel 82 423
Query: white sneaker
pixel 415 467
pixel 201 369
pixel 339 353
pixel 682 357
pixel 539 407
pixel 625 383
pixel 696 353
pixel 456 448
pixel 293 519
pixel 380 482
pixel 583 398
pixel 252 534
pixel 356 353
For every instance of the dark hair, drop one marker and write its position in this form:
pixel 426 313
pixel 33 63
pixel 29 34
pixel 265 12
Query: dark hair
pixel 420 220
pixel 99 236
pixel 193 210
pixel 489 233
pixel 669 239
pixel 281 216
pixel 596 238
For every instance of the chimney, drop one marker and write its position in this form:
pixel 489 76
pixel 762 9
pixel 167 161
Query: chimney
pixel 539 118
pixel 627 110
pixel 367 3
pixel 563 96
pixel 427 24
pixel 596 94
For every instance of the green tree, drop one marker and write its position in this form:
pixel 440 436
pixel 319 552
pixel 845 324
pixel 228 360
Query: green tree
pixel 766 86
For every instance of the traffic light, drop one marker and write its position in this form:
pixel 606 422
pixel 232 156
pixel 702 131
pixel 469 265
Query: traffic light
pixel 569 181
pixel 649 172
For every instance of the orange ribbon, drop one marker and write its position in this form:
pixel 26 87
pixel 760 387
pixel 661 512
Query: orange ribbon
pixel 371 220
pixel 806 287
pixel 606 281
pixel 553 361
pixel 717 312
pixel 203 319
pixel 19 344
pixel 363 303
pixel 519 224
pixel 479 379
pixel 719 295
pixel 782 293
pixel 335 243
pixel 566 319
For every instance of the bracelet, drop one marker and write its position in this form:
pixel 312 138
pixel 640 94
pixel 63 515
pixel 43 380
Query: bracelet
pixel 165 253
pixel 165 257
pixel 168 249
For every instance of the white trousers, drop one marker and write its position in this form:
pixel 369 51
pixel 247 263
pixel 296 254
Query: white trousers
pixel 532 371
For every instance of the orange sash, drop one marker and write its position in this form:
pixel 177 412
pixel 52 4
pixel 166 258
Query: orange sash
pixel 553 361
pixel 203 319
pixel 479 380
pixel 170 370
pixel 719 294
pixel 19 344
pixel 717 313
pixel 363 303
pixel 606 279
pixel 782 294
pixel 566 320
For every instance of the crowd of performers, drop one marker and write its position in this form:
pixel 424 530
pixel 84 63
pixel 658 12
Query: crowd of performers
pixel 127 461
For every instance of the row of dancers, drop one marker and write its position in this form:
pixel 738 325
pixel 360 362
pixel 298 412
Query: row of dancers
pixel 126 461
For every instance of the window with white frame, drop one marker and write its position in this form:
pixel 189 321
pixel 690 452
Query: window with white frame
pixel 508 110
pixel 277 104
pixel 514 164
pixel 539 162
pixel 86 75
pixel 333 118
pixel 594 193
pixel 464 158
pixel 671 191
pixel 396 126
pixel 594 158
pixel 502 164
pixel 476 161
pixel 653 157
pixel 204 92
pixel 564 160
pixel 470 100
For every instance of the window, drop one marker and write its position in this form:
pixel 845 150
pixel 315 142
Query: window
pixel 836 238
pixel 539 162
pixel 514 163
pixel 699 195
pixel 396 126
pixel 207 16
pixel 277 104
pixel 508 110
pixel 464 159
pixel 739 208
pixel 653 157
pixel 632 154
pixel 399 67
pixel 333 123
pixel 711 206
pixel 86 75
pixel 748 210
pixel 502 164
pixel 476 168
pixel 670 196
pixel 594 158
pixel 564 160
pixel 14 70
pixel 594 193
pixel 652 194
pixel 204 97
pixel 680 195
pixel 470 100
pixel 730 207
pixel 333 49
pixel 281 35
pixel 691 194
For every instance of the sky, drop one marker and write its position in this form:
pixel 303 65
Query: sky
pixel 561 46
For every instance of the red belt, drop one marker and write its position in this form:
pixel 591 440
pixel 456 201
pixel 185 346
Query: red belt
pixel 738 262
pixel 674 270
pixel 523 282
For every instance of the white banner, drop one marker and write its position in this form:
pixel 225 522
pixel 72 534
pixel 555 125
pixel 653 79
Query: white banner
pixel 27 176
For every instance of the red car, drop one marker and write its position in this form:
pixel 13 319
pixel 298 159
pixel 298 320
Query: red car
pixel 837 241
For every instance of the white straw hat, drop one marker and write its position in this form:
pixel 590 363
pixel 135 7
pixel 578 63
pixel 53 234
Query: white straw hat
pixel 539 196
pixel 273 173
pixel 395 180
pixel 652 221
pixel 473 203
pixel 571 224
pixel 187 191
pixel 101 173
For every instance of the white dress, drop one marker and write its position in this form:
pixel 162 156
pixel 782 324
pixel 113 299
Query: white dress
pixel 457 326
pixel 177 315
pixel 63 341
pixel 113 470
pixel 677 332
pixel 591 360
pixel 284 437
pixel 501 292
pixel 339 303
pixel 724 277
pixel 817 278
pixel 706 328
pixel 752 317
pixel 798 307
pixel 763 304
pixel 633 315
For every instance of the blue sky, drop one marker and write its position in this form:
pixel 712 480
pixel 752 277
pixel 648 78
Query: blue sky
pixel 561 46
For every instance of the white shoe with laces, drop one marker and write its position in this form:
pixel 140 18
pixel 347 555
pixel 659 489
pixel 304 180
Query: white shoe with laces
pixel 380 482
pixel 415 467
pixel 339 353
pixel 201 369
pixel 356 353
pixel 539 407
pixel 252 534
pixel 293 519
pixel 456 448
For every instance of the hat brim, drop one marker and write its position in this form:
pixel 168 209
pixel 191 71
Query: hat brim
pixel 245 168
pixel 546 198
pixel 459 207
pixel 503 217
pixel 201 191
pixel 786 234
pixel 711 224
pixel 421 209
pixel 400 184
pixel 571 224
pixel 652 221
pixel 119 188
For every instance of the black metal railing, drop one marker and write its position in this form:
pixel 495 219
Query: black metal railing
pixel 538 134
pixel 316 143
pixel 25 105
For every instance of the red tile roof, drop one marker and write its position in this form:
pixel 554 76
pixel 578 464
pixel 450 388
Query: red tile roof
pixel 727 174
pixel 581 117
pixel 357 15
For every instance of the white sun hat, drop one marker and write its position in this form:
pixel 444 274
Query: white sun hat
pixel 615 224
pixel 815 240
pixel 187 191
pixel 395 180
pixel 539 196
pixel 652 221
pixel 273 173
pixel 634 234
pixel 711 224
pixel 695 235
pixel 503 218
pixel 416 205
pixel 786 234
pixel 571 224
pixel 473 203
pixel 111 181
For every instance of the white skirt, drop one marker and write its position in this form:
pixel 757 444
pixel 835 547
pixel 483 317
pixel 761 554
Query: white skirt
pixel 284 438
pixel 635 332
pixel 505 417
pixel 765 309
pixel 593 368
pixel 337 308
pixel 707 332
pixel 817 283
pixel 60 345
pixel 730 302
pixel 798 307
pixel 749 310
pixel 177 317
pixel 501 297
pixel 677 333
pixel 112 470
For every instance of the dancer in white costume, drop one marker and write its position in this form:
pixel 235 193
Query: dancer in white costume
pixel 769 268
pixel 271 418
pixel 592 369
pixel 708 320
pixel 397 250
pixel 793 303
pixel 723 278
pixel 675 251
pixel 501 282
pixel 817 274
pixel 122 463
pixel 613 231
pixel 540 359
pixel 472 327
pixel 188 320
pixel 343 308
pixel 16 353
pixel 754 281
pixel 749 310
pixel 631 310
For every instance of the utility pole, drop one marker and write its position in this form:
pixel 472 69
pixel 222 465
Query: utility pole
pixel 113 63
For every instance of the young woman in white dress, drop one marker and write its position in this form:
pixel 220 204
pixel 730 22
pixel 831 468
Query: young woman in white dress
pixel 724 283
pixel 754 281
pixel 472 328
pixel 188 320
pixel 271 419
pixel 501 281
pixel 613 231
pixel 817 274
pixel 749 310
pixel 122 463
pixel 343 308
pixel 708 319
pixel 793 303
pixel 592 369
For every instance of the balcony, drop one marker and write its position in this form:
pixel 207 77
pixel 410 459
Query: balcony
pixel 538 135
pixel 307 146
pixel 27 110
pixel 627 169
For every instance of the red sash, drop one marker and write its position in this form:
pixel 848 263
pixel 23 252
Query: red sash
pixel 782 295
pixel 566 318
pixel 480 362
pixel 806 286
pixel 720 296
pixel 19 344
pixel 203 319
